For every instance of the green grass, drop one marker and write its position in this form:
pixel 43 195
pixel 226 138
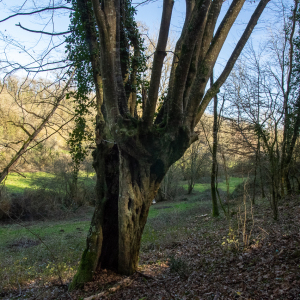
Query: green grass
pixel 202 187
pixel 233 183
pixel 64 241
pixel 170 207
pixel 62 247
pixel 167 225
pixel 16 183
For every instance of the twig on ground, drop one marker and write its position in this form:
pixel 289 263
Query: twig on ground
pixel 125 282
pixel 263 230
pixel 146 276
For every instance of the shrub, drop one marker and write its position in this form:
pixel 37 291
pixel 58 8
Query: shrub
pixel 179 266
pixel 34 205
pixel 170 187
pixel 5 202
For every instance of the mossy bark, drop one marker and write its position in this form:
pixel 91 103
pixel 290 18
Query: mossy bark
pixel 128 178
pixel 137 191
pixel 102 240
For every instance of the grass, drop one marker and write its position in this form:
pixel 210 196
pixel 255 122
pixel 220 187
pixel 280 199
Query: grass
pixel 202 187
pixel 165 226
pixel 25 260
pixel 16 183
pixel 168 207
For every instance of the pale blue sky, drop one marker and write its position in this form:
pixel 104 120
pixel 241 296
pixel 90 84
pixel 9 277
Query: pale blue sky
pixel 149 14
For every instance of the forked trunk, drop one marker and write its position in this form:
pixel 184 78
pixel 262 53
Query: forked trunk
pixel 125 187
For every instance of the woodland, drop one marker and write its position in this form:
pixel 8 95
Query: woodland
pixel 150 165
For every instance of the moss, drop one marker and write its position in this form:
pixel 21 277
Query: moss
pixel 85 271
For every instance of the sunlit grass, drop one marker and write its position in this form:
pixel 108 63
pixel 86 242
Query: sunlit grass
pixel 233 183
pixel 17 183
pixel 202 187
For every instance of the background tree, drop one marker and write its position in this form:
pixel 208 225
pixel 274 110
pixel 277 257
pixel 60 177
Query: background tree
pixel 35 83
pixel 34 105
pixel 266 106
pixel 193 163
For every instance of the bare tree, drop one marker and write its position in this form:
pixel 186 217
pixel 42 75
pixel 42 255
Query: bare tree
pixel 193 163
pixel 266 103
pixel 35 107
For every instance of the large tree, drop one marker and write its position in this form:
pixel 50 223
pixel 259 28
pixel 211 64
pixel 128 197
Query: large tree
pixel 137 145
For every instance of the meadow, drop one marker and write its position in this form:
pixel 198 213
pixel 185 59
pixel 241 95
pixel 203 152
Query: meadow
pixel 40 252
pixel 18 183
pixel 182 245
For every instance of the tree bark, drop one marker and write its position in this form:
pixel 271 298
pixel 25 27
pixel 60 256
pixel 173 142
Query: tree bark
pixel 127 182
pixel 215 209
pixel 102 240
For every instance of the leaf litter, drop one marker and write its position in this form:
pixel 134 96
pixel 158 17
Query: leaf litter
pixel 210 262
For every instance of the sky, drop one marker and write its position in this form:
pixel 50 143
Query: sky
pixel 22 47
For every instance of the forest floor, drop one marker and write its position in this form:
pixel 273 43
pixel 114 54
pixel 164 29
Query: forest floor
pixel 187 254
pixel 213 261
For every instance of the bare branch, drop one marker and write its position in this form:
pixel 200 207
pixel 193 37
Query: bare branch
pixel 194 34
pixel 36 12
pixel 32 136
pixel 234 56
pixel 158 60
pixel 42 32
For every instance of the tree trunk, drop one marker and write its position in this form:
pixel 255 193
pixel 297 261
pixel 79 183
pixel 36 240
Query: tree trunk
pixel 215 209
pixel 287 182
pixel 136 194
pixel 274 201
pixel 226 179
pixel 104 225
pixel 254 181
pixel 257 165
pixel 275 186
pixel 191 185
pixel 125 189
pixel 262 182
pixel 161 195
